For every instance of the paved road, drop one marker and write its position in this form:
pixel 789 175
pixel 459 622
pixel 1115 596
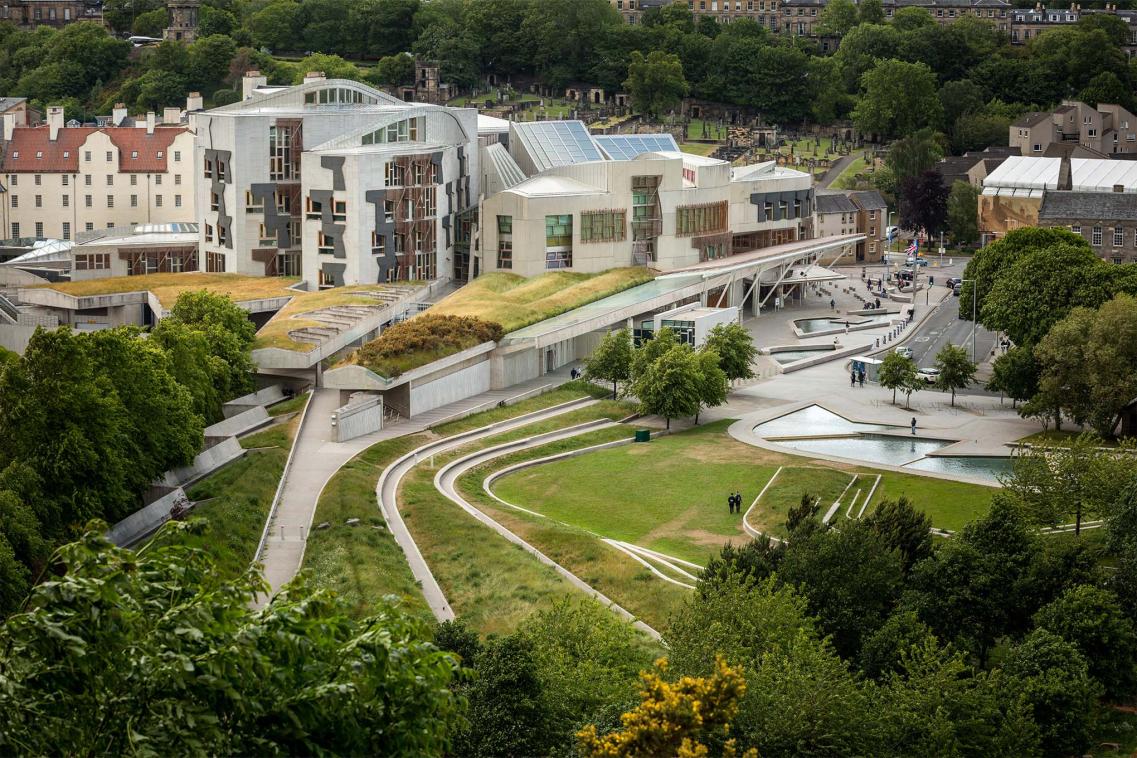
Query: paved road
pixel 945 327
pixel 834 171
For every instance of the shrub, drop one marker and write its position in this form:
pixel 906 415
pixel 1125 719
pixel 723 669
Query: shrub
pixel 420 340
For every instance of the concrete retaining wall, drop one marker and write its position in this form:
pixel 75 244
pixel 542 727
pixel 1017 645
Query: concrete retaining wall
pixel 145 520
pixel 358 418
pixel 266 396
pixel 207 461
pixel 242 423
pixel 464 383
pixel 16 338
pixel 513 365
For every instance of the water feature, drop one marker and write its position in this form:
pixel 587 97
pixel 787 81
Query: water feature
pixel 873 448
pixel 981 467
pixel 810 325
pixel 814 420
pixel 789 356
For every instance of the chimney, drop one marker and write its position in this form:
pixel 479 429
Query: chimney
pixel 150 122
pixel 193 102
pixel 54 121
pixel 314 76
pixel 171 116
pixel 119 114
pixel 1065 180
pixel 250 82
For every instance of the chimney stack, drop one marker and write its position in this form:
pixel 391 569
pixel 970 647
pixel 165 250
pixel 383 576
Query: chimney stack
pixel 119 114
pixel 314 76
pixel 193 102
pixel 150 122
pixel 250 82
pixel 171 116
pixel 54 121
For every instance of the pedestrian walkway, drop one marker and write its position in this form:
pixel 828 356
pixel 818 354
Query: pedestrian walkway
pixel 316 458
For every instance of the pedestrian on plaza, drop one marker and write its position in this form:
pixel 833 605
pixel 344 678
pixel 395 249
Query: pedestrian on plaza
pixel 861 378
pixel 832 304
pixel 878 301
pixel 853 378
pixel 913 426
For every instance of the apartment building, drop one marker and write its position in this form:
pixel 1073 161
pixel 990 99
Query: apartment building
pixel 1107 220
pixel 28 14
pixel 1105 130
pixel 334 181
pixel 573 201
pixel 61 180
pixel 1028 23
pixel 841 212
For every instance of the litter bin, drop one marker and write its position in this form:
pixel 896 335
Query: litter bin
pixel 643 435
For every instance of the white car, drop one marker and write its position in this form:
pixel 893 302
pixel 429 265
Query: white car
pixel 905 351
pixel 929 375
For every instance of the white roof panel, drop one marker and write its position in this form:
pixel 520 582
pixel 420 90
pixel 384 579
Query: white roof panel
pixel 624 147
pixel 557 143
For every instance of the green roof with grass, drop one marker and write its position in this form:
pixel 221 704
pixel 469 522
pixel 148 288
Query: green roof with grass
pixel 167 287
pixel 291 316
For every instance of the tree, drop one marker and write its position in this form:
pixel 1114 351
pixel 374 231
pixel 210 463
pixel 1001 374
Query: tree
pixel 1111 353
pixel 1052 677
pixel 208 63
pixel 655 83
pixel 276 25
pixel 612 359
pixel 836 19
pixel 872 12
pixel 991 263
pixel 913 154
pixel 963 212
pixel 757 559
pixel 850 578
pixel 672 385
pixel 229 334
pixel 188 353
pixel 150 23
pixel 163 653
pixel 712 381
pixel 902 528
pixel 896 372
pixel 651 350
pixel 735 348
pixel 961 97
pixel 1015 373
pixel 1067 484
pixel 1090 618
pixel 1106 88
pixel 675 718
pixel 923 203
pixel 885 651
pixel 509 713
pixel 395 70
pixel 1064 384
pixel 957 371
pixel 911 19
pixel 882 110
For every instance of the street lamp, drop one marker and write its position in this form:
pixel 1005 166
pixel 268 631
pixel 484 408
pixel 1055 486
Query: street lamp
pixel 974 323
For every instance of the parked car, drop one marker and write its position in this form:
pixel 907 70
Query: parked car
pixel 921 261
pixel 929 375
pixel 957 289
pixel 905 351
pixel 953 281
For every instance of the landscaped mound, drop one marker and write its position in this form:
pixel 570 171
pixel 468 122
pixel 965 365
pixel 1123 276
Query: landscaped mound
pixel 515 302
pixel 424 339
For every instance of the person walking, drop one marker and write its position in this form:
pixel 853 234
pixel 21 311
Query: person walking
pixel 853 378
pixel 832 304
pixel 913 426
pixel 730 502
pixel 738 501
pixel 861 378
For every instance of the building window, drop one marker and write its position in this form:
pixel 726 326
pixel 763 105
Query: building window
pixel 558 259
pixel 87 156
pixel 505 254
pixel 208 169
pixel 134 180
pixel 39 230
pixel 214 201
pixel 177 201
pixel 38 179
pixel 389 211
pixel 87 201
pixel 252 204
pixel 157 201
pixel 325 243
pixel 704 219
pixel 66 201
pixel 110 201
pixel 15 201
pixel 1076 229
pixel 110 180
pixel 15 230
pixel 158 180
pixel 134 155
pixel 603 226
pixel 288 264
pixel 1096 237
pixel 339 210
pixel 92 261
pixel 208 233
pixel 178 155
pixel 134 201
pixel 88 226
pixel 505 224
pixel 222 236
pixel 1118 236
pixel 378 243
pixel 280 166
pixel 86 180
pixel 215 262
pixel 110 156
pixel 177 179
pixel 66 180
pixel 558 241
pixel 392 175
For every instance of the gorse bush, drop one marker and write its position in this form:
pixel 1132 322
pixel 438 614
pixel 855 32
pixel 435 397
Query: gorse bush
pixel 428 337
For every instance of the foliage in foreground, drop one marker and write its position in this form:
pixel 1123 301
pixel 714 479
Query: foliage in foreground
pixel 152 654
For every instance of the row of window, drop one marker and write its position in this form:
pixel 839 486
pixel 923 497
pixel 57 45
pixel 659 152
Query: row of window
pixel 700 219
pixel 406 130
pixel 110 155
pixel 88 180
pixel 1096 235
pixel 334 95
pixel 422 174
pixel 89 201
pixel 65 231
pixel 603 226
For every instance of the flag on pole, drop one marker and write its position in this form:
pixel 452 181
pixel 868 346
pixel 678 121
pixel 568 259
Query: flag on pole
pixel 914 248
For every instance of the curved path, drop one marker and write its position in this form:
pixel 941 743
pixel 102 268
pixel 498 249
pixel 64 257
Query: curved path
pixel 446 479
pixel 387 491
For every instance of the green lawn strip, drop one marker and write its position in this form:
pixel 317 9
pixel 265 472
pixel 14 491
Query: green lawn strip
pixel 238 497
pixel 1060 439
pixel 827 484
pixel 487 580
pixel 289 406
pixel 603 567
pixel 362 563
pixel 846 178
pixel 667 495
pixel 563 394
pixel 951 504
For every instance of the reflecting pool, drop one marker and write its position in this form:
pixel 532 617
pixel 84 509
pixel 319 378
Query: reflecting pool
pixel 809 325
pixel 981 467
pixel 811 421
pixel 789 356
pixel 874 448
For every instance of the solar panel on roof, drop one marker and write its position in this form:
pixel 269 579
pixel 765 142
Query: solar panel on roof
pixel 624 147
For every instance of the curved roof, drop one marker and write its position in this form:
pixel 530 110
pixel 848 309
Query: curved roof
pixel 548 185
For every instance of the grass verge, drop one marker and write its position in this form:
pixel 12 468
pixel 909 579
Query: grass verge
pixel 167 287
pixel 289 406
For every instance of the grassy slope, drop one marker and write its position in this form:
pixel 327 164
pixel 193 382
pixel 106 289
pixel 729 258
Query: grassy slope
pixel 167 287
pixel 514 301
pixel 670 494
pixel 289 406
pixel 275 332
pixel 237 497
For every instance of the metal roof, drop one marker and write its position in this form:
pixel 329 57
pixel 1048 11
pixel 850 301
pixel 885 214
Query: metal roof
pixel 556 143
pixel 623 147
pixel 1090 174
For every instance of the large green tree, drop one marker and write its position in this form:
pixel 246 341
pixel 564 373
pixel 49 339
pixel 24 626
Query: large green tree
pixel 735 348
pixel 164 657
pixel 612 359
pixel 1091 619
pixel 963 212
pixel 898 98
pixel 671 386
pixel 896 372
pixel 655 83
pixel 229 334
pixel 957 371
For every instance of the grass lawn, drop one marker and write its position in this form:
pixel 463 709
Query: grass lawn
pixel 847 178
pixel 1059 439
pixel 698 148
pixel 362 564
pixel 563 394
pixel 237 498
pixel 514 301
pixel 581 552
pixel 289 406
pixel 677 504
pixel 695 130
pixel 275 332
pixel 167 287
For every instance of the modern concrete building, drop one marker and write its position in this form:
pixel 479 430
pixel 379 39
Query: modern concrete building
pixel 61 180
pixel 692 323
pixel 1105 130
pixel 1013 194
pixel 569 200
pixel 334 181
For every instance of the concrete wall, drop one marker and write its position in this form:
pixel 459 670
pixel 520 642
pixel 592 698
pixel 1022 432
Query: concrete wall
pixel 459 385
pixel 263 397
pixel 358 418
pixel 148 518
pixel 207 461
pixel 512 365
pixel 15 338
pixel 242 423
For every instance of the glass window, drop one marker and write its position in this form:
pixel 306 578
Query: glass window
pixel 1095 238
pixel 1118 236
pixel 558 231
pixel 504 253
pixel 505 224
pixel 603 226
